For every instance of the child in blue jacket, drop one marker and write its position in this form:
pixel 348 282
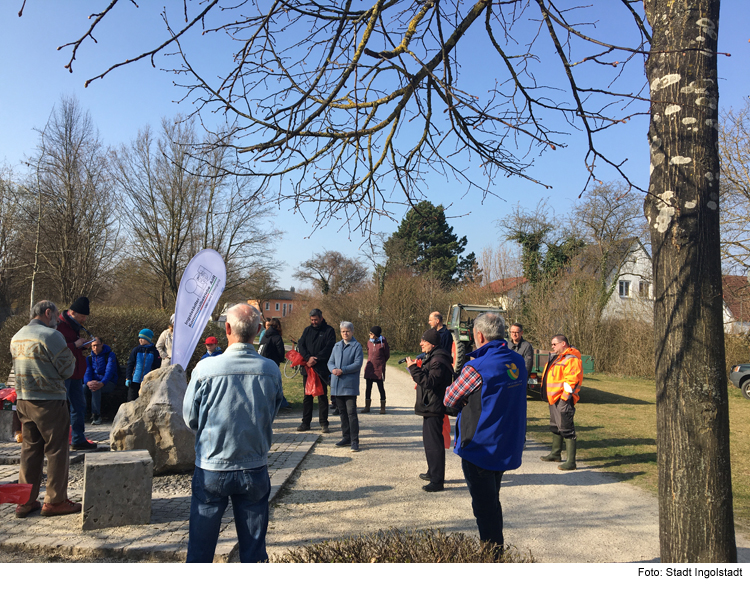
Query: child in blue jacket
pixel 143 359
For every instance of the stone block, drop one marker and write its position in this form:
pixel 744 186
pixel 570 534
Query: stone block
pixel 154 422
pixel 117 489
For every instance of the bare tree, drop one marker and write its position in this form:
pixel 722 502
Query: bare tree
pixel 332 272
pixel 11 235
pixel 343 99
pixel 70 197
pixel 734 143
pixel 612 224
pixel 182 199
pixel 348 103
pixel 260 286
pixel 500 263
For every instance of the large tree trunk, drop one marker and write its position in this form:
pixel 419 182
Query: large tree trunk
pixel 696 522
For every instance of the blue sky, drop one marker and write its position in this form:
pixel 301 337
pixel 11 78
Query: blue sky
pixel 33 79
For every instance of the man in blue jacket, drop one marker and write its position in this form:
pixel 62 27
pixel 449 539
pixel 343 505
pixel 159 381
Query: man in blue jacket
pixel 100 377
pixel 231 402
pixel 490 393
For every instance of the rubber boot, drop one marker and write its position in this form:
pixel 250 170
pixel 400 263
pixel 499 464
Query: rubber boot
pixel 367 406
pixel 556 454
pixel 382 407
pixel 570 462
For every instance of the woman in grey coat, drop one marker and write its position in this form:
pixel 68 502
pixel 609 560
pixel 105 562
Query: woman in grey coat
pixel 344 364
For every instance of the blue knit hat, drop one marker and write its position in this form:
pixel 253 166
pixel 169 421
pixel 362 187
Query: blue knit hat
pixel 147 334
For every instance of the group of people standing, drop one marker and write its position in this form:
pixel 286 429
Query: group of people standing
pixel 339 365
pixel 488 398
pixel 234 396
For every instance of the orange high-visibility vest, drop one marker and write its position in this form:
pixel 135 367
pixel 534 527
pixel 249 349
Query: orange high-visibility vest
pixel 567 368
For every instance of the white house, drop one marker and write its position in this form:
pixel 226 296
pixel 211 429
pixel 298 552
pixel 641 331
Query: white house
pixel 736 304
pixel 629 272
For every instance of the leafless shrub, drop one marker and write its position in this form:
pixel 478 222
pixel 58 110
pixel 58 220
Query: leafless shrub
pixel 396 546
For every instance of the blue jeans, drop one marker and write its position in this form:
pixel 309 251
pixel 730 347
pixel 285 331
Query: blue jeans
pixel 77 409
pixel 484 488
pixel 96 396
pixel 249 490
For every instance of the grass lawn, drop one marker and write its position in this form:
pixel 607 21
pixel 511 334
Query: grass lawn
pixel 616 425
pixel 293 389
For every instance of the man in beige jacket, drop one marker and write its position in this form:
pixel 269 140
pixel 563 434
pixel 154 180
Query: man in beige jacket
pixel 42 362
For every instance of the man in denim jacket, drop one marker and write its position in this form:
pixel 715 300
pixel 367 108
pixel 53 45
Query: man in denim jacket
pixel 231 403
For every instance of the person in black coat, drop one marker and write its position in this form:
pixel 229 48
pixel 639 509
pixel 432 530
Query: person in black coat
pixel 432 377
pixel 271 346
pixel 315 345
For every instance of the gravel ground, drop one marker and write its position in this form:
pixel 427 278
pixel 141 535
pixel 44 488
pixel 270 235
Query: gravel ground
pixel 335 492
pixel 339 493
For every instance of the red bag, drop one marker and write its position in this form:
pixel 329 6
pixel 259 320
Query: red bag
pixel 15 493
pixel 8 394
pixel 446 432
pixel 313 384
pixel 295 358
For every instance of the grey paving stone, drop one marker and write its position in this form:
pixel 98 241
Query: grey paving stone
pixel 163 539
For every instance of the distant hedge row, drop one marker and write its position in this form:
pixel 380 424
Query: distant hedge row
pixel 118 327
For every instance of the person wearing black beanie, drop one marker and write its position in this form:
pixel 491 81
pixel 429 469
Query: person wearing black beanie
pixel 81 305
pixel 71 324
pixel 433 375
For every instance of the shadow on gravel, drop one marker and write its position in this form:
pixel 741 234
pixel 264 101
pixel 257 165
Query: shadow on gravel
pixel 580 477
pixel 328 495
pixel 322 460
pixel 395 431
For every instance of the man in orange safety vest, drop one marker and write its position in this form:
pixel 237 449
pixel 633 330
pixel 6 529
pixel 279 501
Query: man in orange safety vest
pixel 561 383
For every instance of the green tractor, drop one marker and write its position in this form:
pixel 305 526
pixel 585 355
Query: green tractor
pixel 460 323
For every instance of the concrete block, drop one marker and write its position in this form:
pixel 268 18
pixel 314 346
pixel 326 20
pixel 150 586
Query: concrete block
pixel 117 489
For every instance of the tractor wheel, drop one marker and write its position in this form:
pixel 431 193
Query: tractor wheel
pixel 458 352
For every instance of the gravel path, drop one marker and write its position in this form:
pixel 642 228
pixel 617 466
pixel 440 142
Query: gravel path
pixel 339 493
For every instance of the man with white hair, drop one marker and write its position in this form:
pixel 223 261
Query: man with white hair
pixel 490 395
pixel 231 402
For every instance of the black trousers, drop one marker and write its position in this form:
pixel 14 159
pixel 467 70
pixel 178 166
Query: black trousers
pixel 307 405
pixel 134 391
pixel 434 448
pixel 368 389
pixel 561 415
pixel 484 488
pixel 349 422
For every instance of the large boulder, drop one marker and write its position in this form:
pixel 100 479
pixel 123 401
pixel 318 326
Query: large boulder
pixel 154 422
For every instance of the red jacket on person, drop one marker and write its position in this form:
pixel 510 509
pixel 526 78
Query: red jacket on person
pixel 71 334
pixel 377 354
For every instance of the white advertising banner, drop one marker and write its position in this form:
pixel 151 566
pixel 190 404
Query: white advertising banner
pixel 201 287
